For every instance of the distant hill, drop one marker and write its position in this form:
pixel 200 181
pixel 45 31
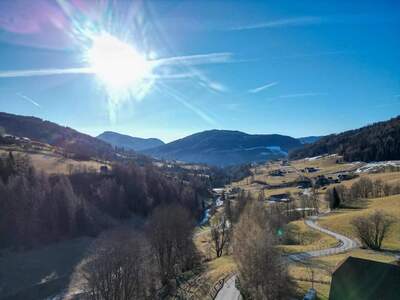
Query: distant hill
pixel 129 142
pixel 309 139
pixel 72 141
pixel 225 147
pixel 379 141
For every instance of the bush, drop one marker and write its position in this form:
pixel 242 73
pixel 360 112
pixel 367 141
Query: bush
pixel 372 229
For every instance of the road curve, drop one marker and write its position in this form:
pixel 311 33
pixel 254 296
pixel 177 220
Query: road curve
pixel 344 245
pixel 229 290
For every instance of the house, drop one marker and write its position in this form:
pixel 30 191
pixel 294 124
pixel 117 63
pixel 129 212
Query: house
pixel 218 191
pixel 346 176
pixel 357 278
pixel 304 183
pixel 103 169
pixel 277 172
pixel 279 198
pixel 310 169
pixel 321 181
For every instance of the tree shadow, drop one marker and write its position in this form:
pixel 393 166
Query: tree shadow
pixel 43 272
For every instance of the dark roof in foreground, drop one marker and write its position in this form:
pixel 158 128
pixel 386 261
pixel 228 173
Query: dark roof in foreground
pixel 358 278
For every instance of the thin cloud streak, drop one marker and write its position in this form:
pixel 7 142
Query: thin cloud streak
pixel 299 95
pixel 43 72
pixel 30 100
pixel 326 53
pixel 264 87
pixel 207 83
pixel 299 21
pixel 199 59
pixel 188 105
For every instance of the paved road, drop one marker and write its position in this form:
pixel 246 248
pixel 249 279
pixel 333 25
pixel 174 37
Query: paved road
pixel 229 291
pixel 344 245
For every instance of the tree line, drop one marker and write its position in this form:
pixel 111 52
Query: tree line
pixel 251 232
pixel 376 142
pixel 145 264
pixel 364 188
pixel 37 209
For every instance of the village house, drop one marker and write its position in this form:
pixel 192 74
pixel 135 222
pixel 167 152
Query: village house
pixel 357 278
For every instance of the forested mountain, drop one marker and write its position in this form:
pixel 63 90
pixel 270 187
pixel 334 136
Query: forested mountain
pixel 129 142
pixel 309 139
pixel 379 141
pixel 225 147
pixel 70 140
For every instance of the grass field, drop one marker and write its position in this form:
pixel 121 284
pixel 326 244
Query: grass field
pixel 308 239
pixel 339 221
pixel 52 163
pixel 321 269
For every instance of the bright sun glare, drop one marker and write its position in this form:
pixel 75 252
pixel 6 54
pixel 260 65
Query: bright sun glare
pixel 117 63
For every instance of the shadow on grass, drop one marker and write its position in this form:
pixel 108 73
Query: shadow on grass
pixel 41 273
pixel 356 204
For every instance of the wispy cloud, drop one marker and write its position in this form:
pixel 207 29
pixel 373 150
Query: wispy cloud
pixel 300 95
pixel 189 61
pixel 199 59
pixel 317 54
pixel 209 84
pixel 43 72
pixel 30 100
pixel 263 87
pixel 178 97
pixel 297 21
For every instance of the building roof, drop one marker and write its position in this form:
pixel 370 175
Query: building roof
pixel 358 278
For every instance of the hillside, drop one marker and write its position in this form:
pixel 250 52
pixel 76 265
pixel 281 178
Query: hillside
pixel 225 147
pixel 129 142
pixel 309 139
pixel 376 142
pixel 51 133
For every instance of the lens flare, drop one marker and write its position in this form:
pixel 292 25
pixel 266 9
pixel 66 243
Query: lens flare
pixel 116 63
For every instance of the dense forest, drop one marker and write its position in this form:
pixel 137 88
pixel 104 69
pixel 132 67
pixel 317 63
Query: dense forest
pixel 37 209
pixel 376 142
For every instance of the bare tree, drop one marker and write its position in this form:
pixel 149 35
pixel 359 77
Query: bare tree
pixel 314 199
pixel 262 271
pixel 119 268
pixel 170 233
pixel 361 189
pixel 241 200
pixel 220 234
pixel 228 210
pixel 306 204
pixel 333 198
pixel 372 229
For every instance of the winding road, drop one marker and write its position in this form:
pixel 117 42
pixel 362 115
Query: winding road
pixel 229 290
pixel 344 245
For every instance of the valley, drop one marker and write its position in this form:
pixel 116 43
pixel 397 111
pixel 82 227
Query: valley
pixel 199 150
pixel 312 236
pixel 314 254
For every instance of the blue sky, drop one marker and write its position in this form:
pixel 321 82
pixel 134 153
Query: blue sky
pixel 291 67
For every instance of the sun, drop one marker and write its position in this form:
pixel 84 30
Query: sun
pixel 118 64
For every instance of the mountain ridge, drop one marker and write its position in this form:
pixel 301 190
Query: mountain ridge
pixel 51 133
pixel 129 142
pixel 225 147
pixel 375 142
